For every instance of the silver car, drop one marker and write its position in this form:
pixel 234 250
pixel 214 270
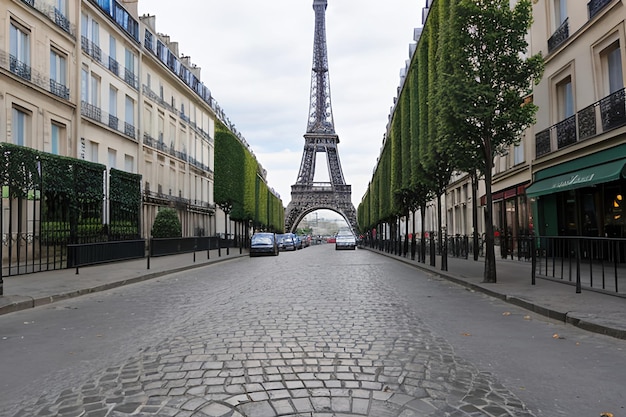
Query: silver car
pixel 345 241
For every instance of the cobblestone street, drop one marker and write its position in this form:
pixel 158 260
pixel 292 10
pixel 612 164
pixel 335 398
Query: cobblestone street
pixel 267 337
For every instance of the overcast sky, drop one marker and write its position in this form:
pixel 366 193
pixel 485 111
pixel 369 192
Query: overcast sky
pixel 256 58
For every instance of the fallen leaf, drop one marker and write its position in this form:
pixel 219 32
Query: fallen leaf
pixel 556 336
pixel 605 414
pixel 527 318
pixel 506 313
pixel 466 334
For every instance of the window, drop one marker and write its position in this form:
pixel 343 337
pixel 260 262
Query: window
pixel 57 134
pixel 112 154
pixel 129 163
pixel 113 121
pixel 92 151
pixel 84 86
pixel 147 120
pixel 112 101
pixel 94 90
pixel 130 61
pixel 20 126
pixel 129 126
pixel 565 99
pixel 20 50
pixel 95 33
pixel 61 6
pixel 613 59
pixel 58 67
pixel 84 26
pixel 112 48
pixel 130 111
pixel 58 74
pixel 518 153
pixel 560 13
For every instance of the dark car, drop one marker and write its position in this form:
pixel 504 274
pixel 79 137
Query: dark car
pixel 286 242
pixel 263 244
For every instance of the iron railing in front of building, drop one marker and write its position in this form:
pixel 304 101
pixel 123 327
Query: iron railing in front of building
pixel 586 262
pixel 611 111
pixel 591 262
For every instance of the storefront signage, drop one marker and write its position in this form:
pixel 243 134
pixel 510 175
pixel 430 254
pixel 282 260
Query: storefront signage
pixel 574 179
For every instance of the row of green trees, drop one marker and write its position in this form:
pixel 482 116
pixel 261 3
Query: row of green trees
pixel 240 188
pixel 462 104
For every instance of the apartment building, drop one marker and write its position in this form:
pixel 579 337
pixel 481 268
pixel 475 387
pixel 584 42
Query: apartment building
pixel 90 79
pixel 38 86
pixel 578 170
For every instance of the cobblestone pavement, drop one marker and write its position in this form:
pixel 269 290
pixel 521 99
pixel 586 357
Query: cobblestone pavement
pixel 340 345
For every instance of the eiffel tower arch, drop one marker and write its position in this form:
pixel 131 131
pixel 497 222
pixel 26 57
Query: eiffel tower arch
pixel 307 195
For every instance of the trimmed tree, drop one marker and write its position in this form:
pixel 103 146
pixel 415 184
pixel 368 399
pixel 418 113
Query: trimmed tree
pixel 485 89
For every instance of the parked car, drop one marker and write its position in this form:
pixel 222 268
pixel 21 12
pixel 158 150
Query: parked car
pixel 264 244
pixel 286 242
pixel 306 241
pixel 345 240
pixel 297 241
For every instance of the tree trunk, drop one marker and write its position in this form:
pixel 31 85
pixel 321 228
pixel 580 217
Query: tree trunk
pixel 490 256
pixel 475 213
pixel 439 224
pixel 423 235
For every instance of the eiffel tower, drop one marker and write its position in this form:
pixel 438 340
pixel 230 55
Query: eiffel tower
pixel 306 195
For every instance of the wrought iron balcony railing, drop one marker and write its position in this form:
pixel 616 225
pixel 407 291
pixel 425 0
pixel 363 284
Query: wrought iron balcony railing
pixel 558 37
pixel 600 117
pixel 55 15
pixel 27 73
pixel 595 6
pixel 19 68
pixel 59 90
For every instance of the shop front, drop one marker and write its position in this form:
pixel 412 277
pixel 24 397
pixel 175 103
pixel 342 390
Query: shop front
pixel 511 218
pixel 582 197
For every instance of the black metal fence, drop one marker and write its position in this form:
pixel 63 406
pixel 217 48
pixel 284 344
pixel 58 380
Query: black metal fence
pixel 591 262
pixel 53 205
pixel 586 262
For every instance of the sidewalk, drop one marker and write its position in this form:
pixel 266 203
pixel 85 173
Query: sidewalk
pixel 32 290
pixel 590 310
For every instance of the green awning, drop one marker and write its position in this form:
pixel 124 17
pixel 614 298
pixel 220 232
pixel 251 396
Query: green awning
pixel 586 177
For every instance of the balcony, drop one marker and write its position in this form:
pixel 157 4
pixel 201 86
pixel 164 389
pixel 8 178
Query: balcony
pixel 113 122
pixel 59 90
pixel 91 49
pixel 92 112
pixel 131 79
pixel 130 131
pixel 114 66
pixel 55 15
pixel 19 68
pixel 61 21
pixel 595 6
pixel 558 37
pixel 609 111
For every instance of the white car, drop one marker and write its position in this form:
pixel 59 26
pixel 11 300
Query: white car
pixel 345 241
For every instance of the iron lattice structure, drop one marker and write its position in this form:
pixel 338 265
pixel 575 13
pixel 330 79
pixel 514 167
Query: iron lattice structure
pixel 307 195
